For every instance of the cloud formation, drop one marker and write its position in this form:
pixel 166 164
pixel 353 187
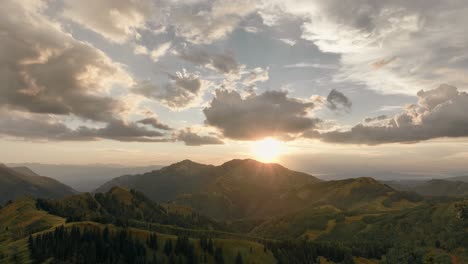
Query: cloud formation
pixel 338 101
pixel 391 46
pixel 32 127
pixel 160 51
pixel 439 113
pixel 192 139
pixel 116 20
pixel 202 22
pixel 155 123
pixel 271 113
pixel 47 71
pixel 182 90
pixel 221 62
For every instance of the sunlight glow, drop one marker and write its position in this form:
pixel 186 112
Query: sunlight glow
pixel 267 150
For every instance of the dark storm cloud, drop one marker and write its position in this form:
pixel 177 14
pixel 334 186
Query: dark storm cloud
pixel 180 92
pixel 441 112
pixel 154 122
pixel 338 101
pixel 271 113
pixel 192 139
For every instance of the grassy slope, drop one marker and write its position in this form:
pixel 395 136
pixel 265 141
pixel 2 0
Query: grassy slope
pixel 22 218
pixel 17 221
pixel 312 207
pixel 425 224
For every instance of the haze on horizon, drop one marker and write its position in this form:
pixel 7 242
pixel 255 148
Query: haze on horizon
pixel 363 88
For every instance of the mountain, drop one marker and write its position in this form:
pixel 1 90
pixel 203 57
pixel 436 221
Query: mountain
pixel 119 205
pixel 235 189
pixel 248 189
pixel 32 234
pixel 310 210
pixel 345 221
pixel 83 178
pixel 352 194
pixel 17 182
pixel 458 178
pixel 450 187
pixel 438 187
pixel 25 171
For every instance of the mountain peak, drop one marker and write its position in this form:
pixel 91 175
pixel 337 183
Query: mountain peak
pixel 367 180
pixel 250 162
pixel 185 162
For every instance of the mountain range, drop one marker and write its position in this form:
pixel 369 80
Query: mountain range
pixel 20 181
pixel 242 211
pixel 84 178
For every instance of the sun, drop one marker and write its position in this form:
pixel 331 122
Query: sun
pixel 267 150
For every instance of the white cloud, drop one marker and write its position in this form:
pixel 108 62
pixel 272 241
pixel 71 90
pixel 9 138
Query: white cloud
pixel 203 23
pixel 289 42
pixel 311 65
pixel 439 113
pixel 183 90
pixel 416 43
pixel 116 20
pixel 160 51
pixel 140 50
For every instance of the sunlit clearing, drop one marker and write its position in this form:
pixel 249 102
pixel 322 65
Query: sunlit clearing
pixel 267 150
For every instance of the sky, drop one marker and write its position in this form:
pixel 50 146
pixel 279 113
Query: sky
pixel 327 87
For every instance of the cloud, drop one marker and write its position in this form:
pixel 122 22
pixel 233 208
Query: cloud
pixel 271 113
pixel 182 91
pixel 338 101
pixel 160 51
pixel 33 127
pixel 439 113
pixel 202 23
pixel 221 62
pixel 140 50
pixel 192 139
pixel 289 42
pixel 375 119
pixel 252 30
pixel 116 20
pixel 45 70
pixel 311 65
pixel 256 75
pixel 391 46
pixel 154 122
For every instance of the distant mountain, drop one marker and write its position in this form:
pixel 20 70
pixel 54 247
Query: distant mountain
pixel 235 189
pixel 442 188
pixel 458 178
pixel 17 182
pixel 450 187
pixel 83 178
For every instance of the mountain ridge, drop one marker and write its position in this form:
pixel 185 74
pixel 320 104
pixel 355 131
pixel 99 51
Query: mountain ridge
pixel 14 184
